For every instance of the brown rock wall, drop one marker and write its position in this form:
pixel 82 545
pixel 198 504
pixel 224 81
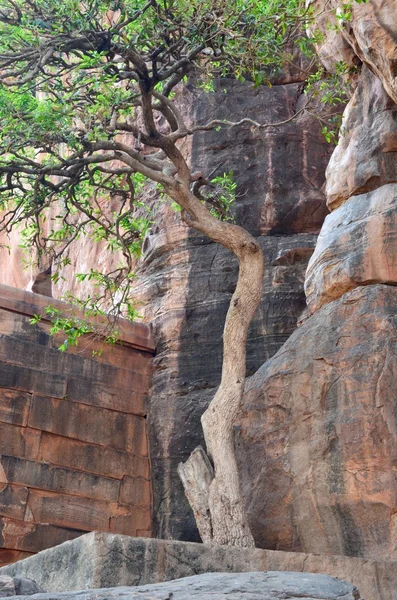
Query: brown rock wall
pixel 73 436
pixel 317 437
pixel 357 246
pixel 366 155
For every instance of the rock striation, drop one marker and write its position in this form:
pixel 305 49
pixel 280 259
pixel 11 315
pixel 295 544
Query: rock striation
pixel 73 431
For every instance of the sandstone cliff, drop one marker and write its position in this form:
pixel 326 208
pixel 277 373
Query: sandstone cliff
pixel 185 282
pixel 318 432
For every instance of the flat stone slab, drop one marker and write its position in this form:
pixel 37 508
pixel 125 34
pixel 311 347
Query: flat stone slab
pixel 226 586
pixel 102 560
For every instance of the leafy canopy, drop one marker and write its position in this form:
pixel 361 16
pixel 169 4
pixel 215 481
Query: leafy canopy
pixel 87 113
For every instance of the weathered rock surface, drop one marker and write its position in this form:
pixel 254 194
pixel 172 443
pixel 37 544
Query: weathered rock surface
pixel 98 560
pixel 332 48
pixel 186 282
pixel 15 586
pixel 357 246
pixel 227 586
pixel 188 290
pixel 7 587
pixel 318 434
pixel 370 36
pixel 366 155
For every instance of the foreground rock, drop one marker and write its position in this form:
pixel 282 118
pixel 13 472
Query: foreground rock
pixel 227 586
pixel 103 560
pixel 318 440
pixel 15 586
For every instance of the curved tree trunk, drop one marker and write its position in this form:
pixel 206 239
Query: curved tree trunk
pixel 215 495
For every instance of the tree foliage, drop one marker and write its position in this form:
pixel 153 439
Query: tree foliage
pixel 82 85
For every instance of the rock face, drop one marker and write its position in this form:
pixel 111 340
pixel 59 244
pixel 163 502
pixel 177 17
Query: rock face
pixel 366 155
pixel 318 439
pixel 369 36
pixel 237 586
pixel 357 246
pixel 186 282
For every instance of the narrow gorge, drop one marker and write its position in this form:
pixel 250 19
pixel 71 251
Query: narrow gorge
pixel 316 437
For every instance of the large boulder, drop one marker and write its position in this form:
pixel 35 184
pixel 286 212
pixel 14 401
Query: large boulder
pixel 318 433
pixel 227 586
pixel 366 155
pixel 103 560
pixel 357 245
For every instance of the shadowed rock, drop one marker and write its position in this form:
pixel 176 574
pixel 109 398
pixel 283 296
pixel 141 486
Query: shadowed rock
pixel 17 586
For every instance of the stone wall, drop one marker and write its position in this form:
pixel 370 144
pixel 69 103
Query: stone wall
pixel 73 434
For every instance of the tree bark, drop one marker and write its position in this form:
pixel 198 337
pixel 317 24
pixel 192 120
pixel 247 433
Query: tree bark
pixel 227 515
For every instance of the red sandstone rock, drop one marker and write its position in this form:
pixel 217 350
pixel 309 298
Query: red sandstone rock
pixel 318 433
pixel 366 155
pixel 333 48
pixel 356 246
pixel 369 36
pixel 33 537
pixel 72 427
pixel 10 556
pixel 46 476
pixel 91 458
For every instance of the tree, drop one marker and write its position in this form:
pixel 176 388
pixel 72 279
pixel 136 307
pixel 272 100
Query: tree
pixel 82 84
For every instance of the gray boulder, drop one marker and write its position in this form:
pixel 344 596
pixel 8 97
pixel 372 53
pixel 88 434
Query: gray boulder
pixel 271 585
pixel 26 587
pixel 7 587
pixel 17 586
